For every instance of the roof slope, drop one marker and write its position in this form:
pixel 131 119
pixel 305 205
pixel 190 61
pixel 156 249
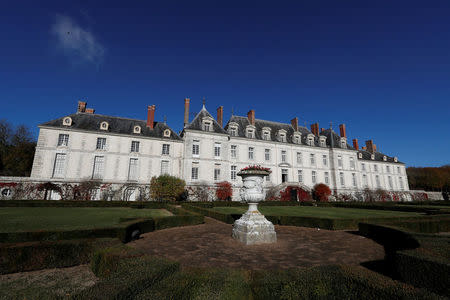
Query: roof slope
pixel 196 124
pixel 91 122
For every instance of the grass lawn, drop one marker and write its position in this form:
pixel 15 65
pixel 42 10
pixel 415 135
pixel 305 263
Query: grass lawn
pixel 319 212
pixel 66 218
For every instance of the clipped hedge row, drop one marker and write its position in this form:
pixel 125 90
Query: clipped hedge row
pixel 62 203
pixel 43 255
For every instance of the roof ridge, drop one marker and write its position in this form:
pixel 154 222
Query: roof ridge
pixel 115 117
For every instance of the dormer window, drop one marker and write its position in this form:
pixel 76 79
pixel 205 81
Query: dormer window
pixel 359 155
pixel 207 124
pixel 384 158
pixel 297 139
pixel 266 134
pixel 323 141
pixel 104 125
pixel 310 140
pixel 137 129
pixel 343 143
pixel 233 129
pixel 395 159
pixel 372 156
pixel 250 132
pixel 282 136
pixel 167 133
pixel 67 121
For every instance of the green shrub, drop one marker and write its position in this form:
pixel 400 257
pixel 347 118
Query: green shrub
pixel 166 188
pixel 200 284
pixel 62 203
pixel 43 255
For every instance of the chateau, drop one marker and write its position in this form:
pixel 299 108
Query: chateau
pixel 118 151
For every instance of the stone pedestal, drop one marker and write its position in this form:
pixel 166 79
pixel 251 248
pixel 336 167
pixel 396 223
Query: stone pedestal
pixel 253 228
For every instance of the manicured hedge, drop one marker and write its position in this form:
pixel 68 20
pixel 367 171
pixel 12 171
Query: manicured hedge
pixel 331 282
pixel 61 203
pixel 43 255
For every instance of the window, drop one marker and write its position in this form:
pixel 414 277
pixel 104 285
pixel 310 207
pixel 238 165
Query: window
pixel 322 143
pixel 250 133
pixel 67 121
pixel 217 150
pixel 365 180
pixel 233 131
pixel 375 168
pixel 352 163
pixel 266 135
pixel 343 144
pixel 327 178
pixel 377 180
pixel 233 151
pixel 283 155
pixel 101 143
pixel 133 169
pixel 207 126
pixel 233 173
pixel 251 152
pixel 339 161
pixel 134 146
pixel 324 160
pixel 360 155
pixel 282 137
pixel 63 140
pixel 398 170
pixel 196 148
pixel 311 141
pixel 313 177
pixel 341 178
pixel 401 182
pixel 137 129
pixel 384 158
pixel 164 167
pixel 388 169
pixel 390 182
pixel 284 175
pixel 58 167
pixel 268 178
pixel 104 125
pixel 194 172
pixel 297 139
pixel 216 174
pixel 363 166
pixel 354 179
pixel 97 172
pixel 267 154
pixel 300 175
pixel 299 158
pixel 313 159
pixel 165 149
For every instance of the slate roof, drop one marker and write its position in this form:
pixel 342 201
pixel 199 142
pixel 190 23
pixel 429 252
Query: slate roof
pixel 366 155
pixel 196 124
pixel 91 122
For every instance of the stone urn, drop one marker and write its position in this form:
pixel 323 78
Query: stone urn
pixel 253 228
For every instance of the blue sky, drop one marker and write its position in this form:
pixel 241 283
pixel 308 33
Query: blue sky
pixel 380 67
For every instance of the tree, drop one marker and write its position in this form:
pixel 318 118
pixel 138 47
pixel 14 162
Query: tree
pixel 166 188
pixel 200 192
pixel 224 191
pixel 321 192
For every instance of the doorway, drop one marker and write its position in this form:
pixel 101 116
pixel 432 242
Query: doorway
pixel 284 175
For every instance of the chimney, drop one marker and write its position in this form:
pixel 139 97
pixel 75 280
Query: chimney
pixel 355 144
pixel 251 117
pixel 342 130
pixel 186 111
pixel 371 147
pixel 81 106
pixel 322 129
pixel 90 110
pixel 364 148
pixel 220 115
pixel 294 123
pixel 150 116
pixel 315 129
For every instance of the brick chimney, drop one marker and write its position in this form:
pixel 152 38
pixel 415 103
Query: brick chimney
pixel 364 148
pixel 186 111
pixel 294 123
pixel 371 147
pixel 220 115
pixel 151 116
pixel 342 130
pixel 90 111
pixel 315 129
pixel 81 106
pixel 251 117
pixel 355 144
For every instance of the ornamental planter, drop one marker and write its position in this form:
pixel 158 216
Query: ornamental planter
pixel 253 228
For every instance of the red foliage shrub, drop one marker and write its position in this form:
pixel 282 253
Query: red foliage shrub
pixel 321 192
pixel 224 191
pixel 302 195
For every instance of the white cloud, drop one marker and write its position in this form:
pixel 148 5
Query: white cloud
pixel 76 42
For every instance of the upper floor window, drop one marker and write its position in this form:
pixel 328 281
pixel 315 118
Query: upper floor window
pixel 133 169
pixel 377 180
pixel 217 173
pixel 58 167
pixel 323 141
pixel 390 182
pixel 311 141
pixel 217 147
pixel 101 144
pixel 388 169
pixel 313 177
pixel 250 133
pixel 299 158
pixel 63 140
pixel 207 126
pixel 341 178
pixel 398 170
pixel 352 163
pixel 267 154
pixel 67 121
pixel 297 138
pixel 375 168
pixel 233 151
pixel 233 173
pixel 324 160
pixel 401 182
pixel 104 125
pixel 365 179
pixel 327 178
pixel 354 180
pixel 232 131
pixel 164 167
pixel 312 158
pixel 343 143
pixel 283 155
pixel 194 171
pixel 363 166
pixel 196 148
pixel 282 136
pixel 137 129
pixel 134 146
pixel 251 153
pixel 340 161
pixel 165 149
pixel 97 172
pixel 167 133
pixel 300 175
